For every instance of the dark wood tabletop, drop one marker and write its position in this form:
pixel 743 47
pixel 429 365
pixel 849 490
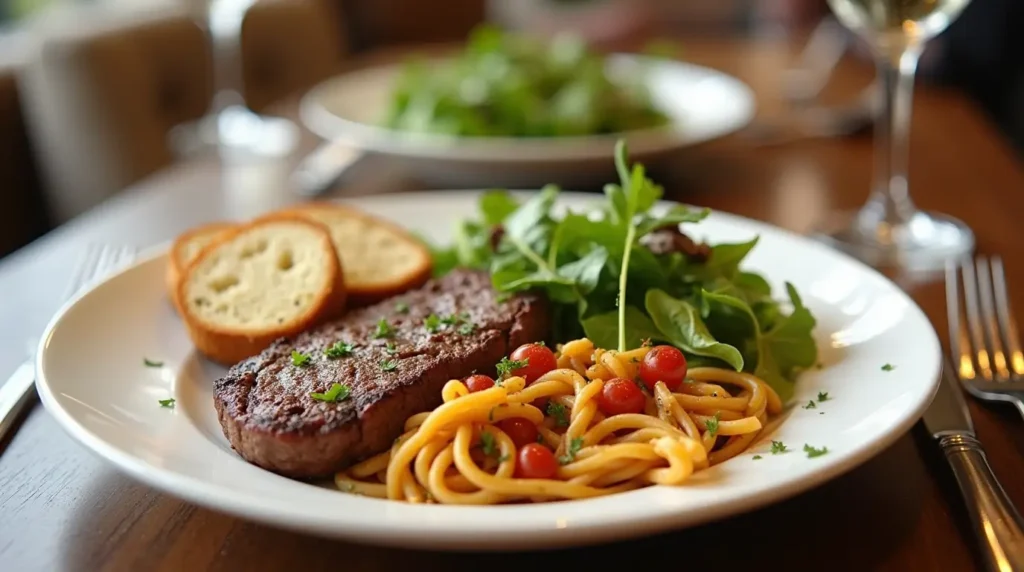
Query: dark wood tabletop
pixel 63 509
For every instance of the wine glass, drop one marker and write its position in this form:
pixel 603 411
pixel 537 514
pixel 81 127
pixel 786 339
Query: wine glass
pixel 230 127
pixel 890 230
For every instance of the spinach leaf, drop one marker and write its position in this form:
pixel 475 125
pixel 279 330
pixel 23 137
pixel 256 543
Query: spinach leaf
pixel 680 322
pixel 603 329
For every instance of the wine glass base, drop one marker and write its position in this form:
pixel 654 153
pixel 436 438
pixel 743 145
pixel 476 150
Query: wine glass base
pixel 923 245
pixel 237 131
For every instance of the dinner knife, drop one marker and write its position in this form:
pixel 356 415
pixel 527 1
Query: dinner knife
pixel 324 168
pixel 993 517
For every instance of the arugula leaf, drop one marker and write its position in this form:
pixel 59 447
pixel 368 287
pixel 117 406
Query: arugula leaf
pixel 789 346
pixel 680 322
pixel 496 206
pixel 603 329
pixel 725 258
pixel 677 215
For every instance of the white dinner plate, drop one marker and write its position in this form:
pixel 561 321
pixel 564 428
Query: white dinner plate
pixel 92 379
pixel 702 104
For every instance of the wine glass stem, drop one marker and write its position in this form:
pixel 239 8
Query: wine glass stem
pixel 224 25
pixel 890 205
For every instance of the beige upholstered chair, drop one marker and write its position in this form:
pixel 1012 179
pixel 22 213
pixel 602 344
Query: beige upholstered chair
pixel 23 214
pixel 288 46
pixel 100 104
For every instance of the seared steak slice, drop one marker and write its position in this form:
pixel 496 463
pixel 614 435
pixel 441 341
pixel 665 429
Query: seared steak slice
pixel 396 369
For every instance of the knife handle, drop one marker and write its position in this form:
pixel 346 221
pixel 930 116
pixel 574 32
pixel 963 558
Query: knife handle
pixel 993 516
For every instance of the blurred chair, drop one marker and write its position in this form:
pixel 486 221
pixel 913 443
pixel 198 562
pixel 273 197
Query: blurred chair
pixel 288 46
pixel 99 105
pixel 23 214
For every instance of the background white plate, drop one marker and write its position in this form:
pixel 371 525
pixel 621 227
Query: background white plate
pixel 92 379
pixel 702 103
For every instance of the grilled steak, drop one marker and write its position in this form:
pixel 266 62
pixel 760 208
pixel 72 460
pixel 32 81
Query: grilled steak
pixel 396 369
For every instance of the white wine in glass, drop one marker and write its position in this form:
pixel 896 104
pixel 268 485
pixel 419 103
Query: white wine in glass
pixel 890 230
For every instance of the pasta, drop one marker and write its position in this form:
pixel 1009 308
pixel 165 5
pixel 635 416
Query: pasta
pixel 459 454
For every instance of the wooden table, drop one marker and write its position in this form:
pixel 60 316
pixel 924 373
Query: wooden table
pixel 62 509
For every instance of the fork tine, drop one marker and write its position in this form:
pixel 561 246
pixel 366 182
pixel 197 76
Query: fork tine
pixel 984 364
pixel 83 270
pixel 1007 323
pixel 994 341
pixel 959 343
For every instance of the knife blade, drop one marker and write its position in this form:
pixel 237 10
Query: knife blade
pixel 996 522
pixel 324 168
pixel 948 413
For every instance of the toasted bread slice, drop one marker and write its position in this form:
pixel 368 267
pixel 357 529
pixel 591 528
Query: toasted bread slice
pixel 185 248
pixel 259 282
pixel 380 259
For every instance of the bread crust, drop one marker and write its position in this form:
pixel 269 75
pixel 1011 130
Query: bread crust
pixel 366 294
pixel 229 345
pixel 176 262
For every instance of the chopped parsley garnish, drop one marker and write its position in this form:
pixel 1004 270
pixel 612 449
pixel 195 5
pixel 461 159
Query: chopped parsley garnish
pixel 758 457
pixel 778 447
pixel 384 329
pixel 168 403
pixel 402 308
pixel 389 365
pixel 507 366
pixel 812 452
pixel 712 424
pixel 888 367
pixel 459 318
pixel 822 396
pixel 570 452
pixel 339 350
pixel 558 412
pixel 488 444
pixel 150 363
pixel 432 323
pixel 337 392
pixel 391 348
pixel 466 329
pixel 300 359
pixel 811 405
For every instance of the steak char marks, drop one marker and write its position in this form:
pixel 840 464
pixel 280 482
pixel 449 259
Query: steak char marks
pixel 264 402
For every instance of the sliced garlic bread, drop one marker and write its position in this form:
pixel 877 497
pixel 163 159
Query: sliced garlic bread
pixel 380 259
pixel 268 279
pixel 185 248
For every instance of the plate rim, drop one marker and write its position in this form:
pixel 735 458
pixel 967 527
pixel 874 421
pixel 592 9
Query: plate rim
pixel 382 140
pixel 383 532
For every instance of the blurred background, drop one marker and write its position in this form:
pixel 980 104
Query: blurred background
pixel 94 93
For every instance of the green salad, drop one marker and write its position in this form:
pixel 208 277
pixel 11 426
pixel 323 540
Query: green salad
pixel 617 277
pixel 508 85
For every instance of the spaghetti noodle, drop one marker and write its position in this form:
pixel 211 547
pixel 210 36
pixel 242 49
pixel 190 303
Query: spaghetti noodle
pixel 458 453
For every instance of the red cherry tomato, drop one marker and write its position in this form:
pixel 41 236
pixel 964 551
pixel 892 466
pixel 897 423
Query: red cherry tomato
pixel 665 364
pixel 535 461
pixel 521 431
pixel 478 382
pixel 621 396
pixel 539 360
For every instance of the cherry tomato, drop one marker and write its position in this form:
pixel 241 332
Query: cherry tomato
pixel 621 396
pixel 478 382
pixel 521 431
pixel 535 461
pixel 665 364
pixel 539 360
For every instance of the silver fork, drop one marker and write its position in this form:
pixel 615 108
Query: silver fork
pixel 16 393
pixel 986 346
